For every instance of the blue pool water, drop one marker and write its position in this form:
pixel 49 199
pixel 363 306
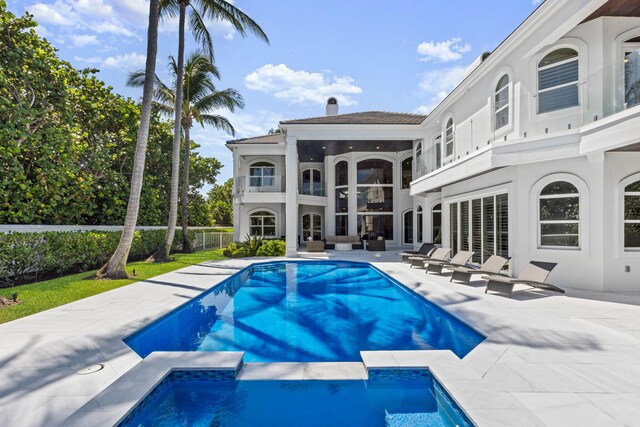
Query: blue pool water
pixel 393 400
pixel 306 312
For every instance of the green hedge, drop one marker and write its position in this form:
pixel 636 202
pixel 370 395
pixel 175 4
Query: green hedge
pixel 255 246
pixel 26 256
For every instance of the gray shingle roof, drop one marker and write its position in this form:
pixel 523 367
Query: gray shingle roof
pixel 264 139
pixel 364 118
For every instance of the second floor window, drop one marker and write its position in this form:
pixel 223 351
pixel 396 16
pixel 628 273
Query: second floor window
pixel 448 139
pixel 558 81
pixel 407 172
pixel 501 103
pixel 312 182
pixel 632 72
pixel 262 174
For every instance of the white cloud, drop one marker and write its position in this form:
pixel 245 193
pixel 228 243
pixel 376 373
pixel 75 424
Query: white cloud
pixel 81 40
pixel 88 60
pixel 444 51
pixel 128 61
pixel 58 13
pixel 299 86
pixel 437 84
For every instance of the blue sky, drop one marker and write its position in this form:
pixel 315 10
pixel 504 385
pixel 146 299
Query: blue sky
pixel 400 56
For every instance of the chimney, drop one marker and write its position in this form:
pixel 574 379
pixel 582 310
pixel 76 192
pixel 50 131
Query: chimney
pixel 332 107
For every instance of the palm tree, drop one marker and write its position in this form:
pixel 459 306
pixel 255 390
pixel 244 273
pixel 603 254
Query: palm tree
pixel 115 267
pixel 200 101
pixel 199 10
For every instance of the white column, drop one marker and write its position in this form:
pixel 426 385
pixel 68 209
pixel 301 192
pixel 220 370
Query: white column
pixel 236 205
pixel 291 199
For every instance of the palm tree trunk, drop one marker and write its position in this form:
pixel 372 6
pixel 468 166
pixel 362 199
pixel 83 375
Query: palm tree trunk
pixel 162 254
pixel 115 267
pixel 186 244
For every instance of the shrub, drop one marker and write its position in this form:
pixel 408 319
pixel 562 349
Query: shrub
pixel 26 256
pixel 272 248
pixel 255 246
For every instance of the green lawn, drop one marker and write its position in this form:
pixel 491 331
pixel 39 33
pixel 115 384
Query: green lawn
pixel 44 295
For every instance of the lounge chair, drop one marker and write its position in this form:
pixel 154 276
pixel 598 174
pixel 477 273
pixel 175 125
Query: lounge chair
pixel 435 266
pixel 463 273
pixel 440 254
pixel 425 250
pixel 534 274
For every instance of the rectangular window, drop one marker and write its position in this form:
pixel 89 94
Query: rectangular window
pixel 342 200
pixel 342 225
pixel 632 78
pixel 558 87
pixel 453 216
pixel 464 226
pixel 485 223
pixel 502 225
pixel 375 199
pixel 632 216
pixel 476 230
pixel 376 225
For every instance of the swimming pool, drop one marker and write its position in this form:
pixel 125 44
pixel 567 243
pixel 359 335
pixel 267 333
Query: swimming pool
pixel 388 398
pixel 306 311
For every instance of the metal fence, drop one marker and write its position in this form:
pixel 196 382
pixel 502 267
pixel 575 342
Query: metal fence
pixel 212 240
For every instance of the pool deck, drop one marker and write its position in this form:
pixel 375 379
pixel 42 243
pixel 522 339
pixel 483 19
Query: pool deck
pixel 549 359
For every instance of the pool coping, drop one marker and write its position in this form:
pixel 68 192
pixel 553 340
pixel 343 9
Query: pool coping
pixel 117 401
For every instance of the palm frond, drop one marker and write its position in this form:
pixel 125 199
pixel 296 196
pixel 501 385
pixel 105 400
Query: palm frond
pixel 225 11
pixel 200 32
pixel 217 121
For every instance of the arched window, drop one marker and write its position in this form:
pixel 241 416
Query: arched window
pixel 436 224
pixel 407 172
pixel 501 103
pixel 419 224
pixel 342 198
pixel 559 215
pixel 262 224
pixel 632 216
pixel 419 164
pixel 262 174
pixel 631 52
pixel 558 81
pixel 448 138
pixel 312 182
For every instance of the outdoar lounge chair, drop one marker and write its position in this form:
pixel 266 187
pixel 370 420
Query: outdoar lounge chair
pixel 534 274
pixel 440 254
pixel 463 273
pixel 435 266
pixel 425 250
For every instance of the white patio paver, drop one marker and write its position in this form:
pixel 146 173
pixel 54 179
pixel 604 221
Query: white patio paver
pixel 549 359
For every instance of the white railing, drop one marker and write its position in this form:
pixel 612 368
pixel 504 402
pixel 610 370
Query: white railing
pixel 272 184
pixel 212 240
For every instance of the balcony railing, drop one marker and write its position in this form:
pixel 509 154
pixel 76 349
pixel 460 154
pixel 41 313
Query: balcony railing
pixel 264 184
pixel 315 189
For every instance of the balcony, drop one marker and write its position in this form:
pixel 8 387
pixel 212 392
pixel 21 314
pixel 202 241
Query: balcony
pixel 273 184
pixel 317 189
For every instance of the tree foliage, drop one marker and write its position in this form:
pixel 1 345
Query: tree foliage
pixel 221 203
pixel 67 141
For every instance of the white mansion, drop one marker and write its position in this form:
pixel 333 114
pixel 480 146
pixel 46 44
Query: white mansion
pixel 535 155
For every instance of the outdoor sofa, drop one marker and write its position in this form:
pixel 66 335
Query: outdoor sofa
pixel 315 246
pixel 355 241
pixel 376 245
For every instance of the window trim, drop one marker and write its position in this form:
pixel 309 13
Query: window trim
pixel 404 225
pixel 261 177
pixel 618 85
pixel 311 215
pixel 392 186
pixel 506 128
pixel 433 211
pixel 419 225
pixel 444 141
pixel 570 43
pixel 583 214
pixel 275 220
pixel 627 47
pixel 311 182
pixel 626 252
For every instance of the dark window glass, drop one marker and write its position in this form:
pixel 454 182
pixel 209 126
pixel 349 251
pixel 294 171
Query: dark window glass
pixel 342 225
pixel 342 200
pixel 453 212
pixel 408 227
pixel 502 225
pixel 342 173
pixel 436 223
pixel 559 234
pixel 375 171
pixel 375 199
pixel 376 225
pixel 420 224
pixel 488 218
pixel 476 230
pixel 464 226
pixel 407 172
